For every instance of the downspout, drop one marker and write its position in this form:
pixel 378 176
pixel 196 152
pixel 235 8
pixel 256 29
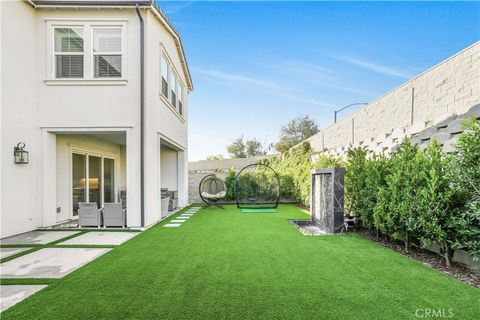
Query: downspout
pixel 142 116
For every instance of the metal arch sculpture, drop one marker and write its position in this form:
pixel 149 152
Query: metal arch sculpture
pixel 212 189
pixel 257 186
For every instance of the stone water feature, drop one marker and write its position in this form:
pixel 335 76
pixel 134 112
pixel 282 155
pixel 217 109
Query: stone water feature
pixel 326 204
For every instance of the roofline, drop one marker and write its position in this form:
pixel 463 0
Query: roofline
pixel 146 4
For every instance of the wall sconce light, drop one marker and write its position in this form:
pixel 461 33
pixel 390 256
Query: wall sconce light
pixel 21 156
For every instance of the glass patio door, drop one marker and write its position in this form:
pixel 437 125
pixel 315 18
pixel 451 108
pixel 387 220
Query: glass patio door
pixel 79 180
pixel 93 179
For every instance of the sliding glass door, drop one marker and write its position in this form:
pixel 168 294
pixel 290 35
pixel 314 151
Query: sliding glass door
pixel 108 180
pixel 93 179
pixel 79 182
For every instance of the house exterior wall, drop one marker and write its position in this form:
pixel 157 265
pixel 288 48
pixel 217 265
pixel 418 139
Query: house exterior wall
pixel 169 169
pixel 34 106
pixel 20 184
pixel 451 87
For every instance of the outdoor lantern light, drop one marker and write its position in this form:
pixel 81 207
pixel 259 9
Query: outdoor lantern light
pixel 21 156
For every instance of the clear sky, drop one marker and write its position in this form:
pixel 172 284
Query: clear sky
pixel 256 65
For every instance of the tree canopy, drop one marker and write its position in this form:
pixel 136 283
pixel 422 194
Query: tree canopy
pixel 296 131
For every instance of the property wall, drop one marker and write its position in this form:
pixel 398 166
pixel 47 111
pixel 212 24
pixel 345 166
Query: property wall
pixel 451 87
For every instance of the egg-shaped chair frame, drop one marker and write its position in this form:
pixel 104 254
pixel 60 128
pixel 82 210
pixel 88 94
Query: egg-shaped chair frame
pixel 250 194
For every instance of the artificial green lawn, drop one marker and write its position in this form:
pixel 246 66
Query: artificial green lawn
pixel 222 264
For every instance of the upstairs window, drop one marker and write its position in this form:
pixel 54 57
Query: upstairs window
pixel 165 69
pixel 107 52
pixel 180 98
pixel 68 51
pixel 173 85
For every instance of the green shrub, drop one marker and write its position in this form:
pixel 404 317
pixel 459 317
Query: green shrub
pixel 365 176
pixel 397 209
pixel 436 201
pixel 465 177
pixel 294 168
pixel 230 182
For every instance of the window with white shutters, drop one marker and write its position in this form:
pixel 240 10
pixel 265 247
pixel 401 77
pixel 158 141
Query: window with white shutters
pixel 107 52
pixel 165 66
pixel 173 85
pixel 180 98
pixel 69 52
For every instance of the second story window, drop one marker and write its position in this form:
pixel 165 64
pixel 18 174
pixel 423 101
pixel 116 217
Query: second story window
pixel 68 51
pixel 173 85
pixel 165 69
pixel 180 98
pixel 107 52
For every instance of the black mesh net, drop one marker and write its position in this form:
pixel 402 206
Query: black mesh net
pixel 257 186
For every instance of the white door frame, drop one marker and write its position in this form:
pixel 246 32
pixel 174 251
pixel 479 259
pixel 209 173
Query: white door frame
pixel 132 179
pixel 87 152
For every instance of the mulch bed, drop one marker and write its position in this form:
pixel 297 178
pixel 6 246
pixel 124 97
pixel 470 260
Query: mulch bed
pixel 428 258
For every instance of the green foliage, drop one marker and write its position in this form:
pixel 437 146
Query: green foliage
pixel 435 199
pixel 296 131
pixel 215 157
pixel 240 148
pixel 365 176
pixel 230 182
pixel 465 177
pixel 397 209
pixel 294 168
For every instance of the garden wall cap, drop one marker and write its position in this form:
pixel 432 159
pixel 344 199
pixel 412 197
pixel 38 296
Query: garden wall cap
pixel 441 137
pixel 456 126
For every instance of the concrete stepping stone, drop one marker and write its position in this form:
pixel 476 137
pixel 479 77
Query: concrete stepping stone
pixel 37 237
pixel 7 252
pixel 172 225
pixel 178 221
pixel 11 295
pixel 50 262
pixel 101 238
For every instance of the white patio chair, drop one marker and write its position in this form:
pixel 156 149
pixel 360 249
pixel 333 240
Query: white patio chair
pixel 114 215
pixel 89 215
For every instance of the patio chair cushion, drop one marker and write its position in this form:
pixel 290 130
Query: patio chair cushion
pixel 218 195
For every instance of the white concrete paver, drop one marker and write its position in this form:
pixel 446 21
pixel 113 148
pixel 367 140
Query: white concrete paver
pixel 7 252
pixel 37 237
pixel 172 225
pixel 101 238
pixel 49 262
pixel 13 294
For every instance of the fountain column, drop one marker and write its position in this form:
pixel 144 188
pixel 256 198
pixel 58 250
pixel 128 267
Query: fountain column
pixel 327 199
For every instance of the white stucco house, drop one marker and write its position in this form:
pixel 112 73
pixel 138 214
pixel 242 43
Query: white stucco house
pixel 98 93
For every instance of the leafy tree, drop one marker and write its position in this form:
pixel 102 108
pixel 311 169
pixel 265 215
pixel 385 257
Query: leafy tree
pixel 237 149
pixel 365 176
pixel 216 157
pixel 296 131
pixel 436 202
pixel 230 182
pixel 397 209
pixel 254 148
pixel 241 148
pixel 465 177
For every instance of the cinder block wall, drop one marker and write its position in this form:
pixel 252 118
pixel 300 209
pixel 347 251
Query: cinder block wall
pixel 449 88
